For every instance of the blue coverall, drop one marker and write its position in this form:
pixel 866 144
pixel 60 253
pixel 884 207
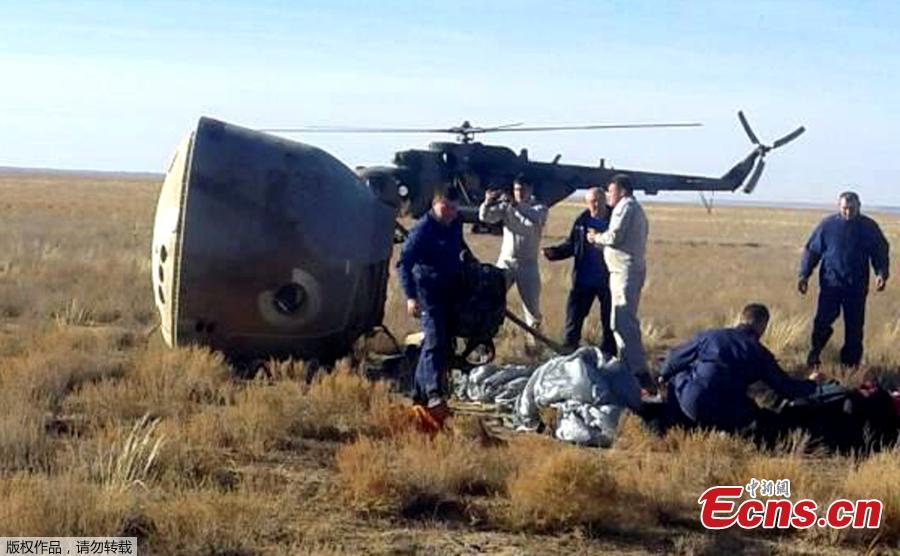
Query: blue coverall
pixel 709 375
pixel 845 249
pixel 590 280
pixel 430 266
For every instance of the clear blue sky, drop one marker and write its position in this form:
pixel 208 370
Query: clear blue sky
pixel 114 85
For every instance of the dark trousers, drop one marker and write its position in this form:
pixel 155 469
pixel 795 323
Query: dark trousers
pixel 434 355
pixel 833 301
pixel 581 298
pixel 766 428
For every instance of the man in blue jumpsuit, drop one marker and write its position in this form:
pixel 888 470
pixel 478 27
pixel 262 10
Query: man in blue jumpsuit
pixel 708 378
pixel 590 277
pixel 845 244
pixel 430 267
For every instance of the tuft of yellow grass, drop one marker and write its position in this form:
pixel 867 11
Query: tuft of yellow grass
pixel 73 313
pixel 788 334
pixel 129 461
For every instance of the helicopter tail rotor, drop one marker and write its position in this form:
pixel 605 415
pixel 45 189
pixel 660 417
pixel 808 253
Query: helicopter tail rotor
pixel 754 178
pixel 788 138
pixel 762 150
pixel 747 128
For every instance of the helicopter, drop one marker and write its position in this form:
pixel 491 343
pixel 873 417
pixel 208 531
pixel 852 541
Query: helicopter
pixel 265 247
pixel 474 167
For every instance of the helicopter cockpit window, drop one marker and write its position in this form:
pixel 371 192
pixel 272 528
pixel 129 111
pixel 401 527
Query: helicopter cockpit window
pixel 449 159
pixel 289 298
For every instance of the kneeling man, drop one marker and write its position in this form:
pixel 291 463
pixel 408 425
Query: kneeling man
pixel 708 378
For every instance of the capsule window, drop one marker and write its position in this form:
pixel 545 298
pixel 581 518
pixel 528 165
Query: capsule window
pixel 289 298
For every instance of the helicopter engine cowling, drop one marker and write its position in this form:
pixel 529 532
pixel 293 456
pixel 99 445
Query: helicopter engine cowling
pixel 267 247
pixel 385 183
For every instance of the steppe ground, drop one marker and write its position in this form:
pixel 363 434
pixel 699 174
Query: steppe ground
pixel 104 431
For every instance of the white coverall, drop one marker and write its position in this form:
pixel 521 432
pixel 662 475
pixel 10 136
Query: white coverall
pixel 625 245
pixel 522 227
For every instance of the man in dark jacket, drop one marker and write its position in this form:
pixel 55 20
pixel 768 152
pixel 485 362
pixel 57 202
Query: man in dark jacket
pixel 590 277
pixel 845 244
pixel 708 377
pixel 430 267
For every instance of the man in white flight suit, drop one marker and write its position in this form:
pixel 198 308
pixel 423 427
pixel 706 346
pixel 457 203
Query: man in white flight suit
pixel 625 246
pixel 523 222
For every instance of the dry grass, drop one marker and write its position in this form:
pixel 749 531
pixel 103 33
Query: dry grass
pixel 344 403
pixel 24 444
pixel 414 474
pixel 105 431
pixel 212 522
pixel 877 478
pixel 60 505
pixel 129 460
pixel 684 463
pixel 565 487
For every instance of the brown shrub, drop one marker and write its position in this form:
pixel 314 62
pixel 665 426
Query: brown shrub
pixel 411 473
pixel 287 369
pixel 367 478
pixel 212 522
pixel 159 382
pixel 565 488
pixel 191 456
pixel 344 403
pixel 46 375
pixel 24 444
pixel 173 380
pixel 261 417
pixel 61 505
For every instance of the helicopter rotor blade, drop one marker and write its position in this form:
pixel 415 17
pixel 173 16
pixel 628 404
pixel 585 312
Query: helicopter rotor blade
pixel 329 129
pixel 500 127
pixel 459 129
pixel 754 178
pixel 747 128
pixel 789 137
pixel 595 126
